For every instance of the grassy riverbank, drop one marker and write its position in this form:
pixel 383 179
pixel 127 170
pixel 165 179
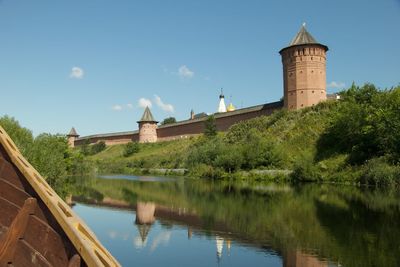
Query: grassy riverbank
pixel 355 140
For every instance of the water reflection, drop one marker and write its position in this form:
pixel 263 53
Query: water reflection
pixel 310 225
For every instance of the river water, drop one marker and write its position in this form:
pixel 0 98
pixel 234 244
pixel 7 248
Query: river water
pixel 156 221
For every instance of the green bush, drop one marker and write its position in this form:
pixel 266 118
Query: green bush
pixel 131 148
pixel 21 136
pixel 98 147
pixel 305 170
pixel 380 173
pixel 230 158
pixel 210 127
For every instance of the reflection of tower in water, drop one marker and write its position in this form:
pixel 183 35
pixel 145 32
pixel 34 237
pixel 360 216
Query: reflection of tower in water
pixel 220 245
pixel 144 218
pixel 297 258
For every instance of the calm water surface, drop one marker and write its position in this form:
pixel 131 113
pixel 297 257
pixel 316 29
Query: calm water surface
pixel 156 221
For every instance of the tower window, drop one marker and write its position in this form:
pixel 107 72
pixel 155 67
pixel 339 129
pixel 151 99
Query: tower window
pixel 301 91
pixel 311 58
pixel 312 70
pixel 313 92
pixel 302 105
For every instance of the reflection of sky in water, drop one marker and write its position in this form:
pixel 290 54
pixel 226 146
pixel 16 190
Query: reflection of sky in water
pixel 166 245
pixel 139 178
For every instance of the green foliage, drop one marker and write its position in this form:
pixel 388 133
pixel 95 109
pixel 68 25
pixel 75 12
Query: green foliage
pixel 229 158
pixel 305 170
pixel 78 164
pixel 380 173
pixel 168 120
pixel 365 125
pixel 131 148
pixel 210 127
pixel 98 147
pixel 21 136
pixel 254 151
pixel 259 151
pixel 48 157
pixel 85 148
pixel 88 150
pixel 49 154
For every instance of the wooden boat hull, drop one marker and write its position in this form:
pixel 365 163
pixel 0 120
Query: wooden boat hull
pixel 37 228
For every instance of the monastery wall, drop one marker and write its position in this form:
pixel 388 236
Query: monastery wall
pixel 186 129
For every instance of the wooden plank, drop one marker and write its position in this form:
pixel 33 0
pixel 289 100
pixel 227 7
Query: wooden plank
pixel 8 212
pixel 46 241
pixel 8 173
pixel 12 193
pixel 75 261
pixel 9 240
pixel 26 256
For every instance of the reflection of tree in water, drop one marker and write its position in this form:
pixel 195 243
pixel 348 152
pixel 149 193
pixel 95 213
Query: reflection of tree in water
pixel 343 224
pixel 364 234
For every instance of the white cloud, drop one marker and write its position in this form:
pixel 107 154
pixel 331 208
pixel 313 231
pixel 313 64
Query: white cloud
pixel 76 73
pixel 336 85
pixel 130 106
pixel 117 107
pixel 162 238
pixel 185 73
pixel 144 102
pixel 162 105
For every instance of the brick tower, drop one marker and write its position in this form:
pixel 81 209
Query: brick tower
pixel 304 71
pixel 147 128
pixel 71 137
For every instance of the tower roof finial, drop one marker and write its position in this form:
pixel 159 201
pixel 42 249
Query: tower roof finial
pixel 304 24
pixel 222 93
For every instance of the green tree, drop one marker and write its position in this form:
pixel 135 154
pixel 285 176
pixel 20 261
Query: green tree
pixel 98 147
pixel 131 148
pixel 49 153
pixel 210 127
pixel 21 136
pixel 168 120
pixel 85 148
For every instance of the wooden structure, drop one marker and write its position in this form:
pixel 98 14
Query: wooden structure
pixel 37 228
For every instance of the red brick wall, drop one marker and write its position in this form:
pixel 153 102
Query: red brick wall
pixel 189 128
pixel 110 140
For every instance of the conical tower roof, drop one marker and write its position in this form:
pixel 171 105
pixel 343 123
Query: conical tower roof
pixel 303 37
pixel 144 230
pixel 72 132
pixel 147 116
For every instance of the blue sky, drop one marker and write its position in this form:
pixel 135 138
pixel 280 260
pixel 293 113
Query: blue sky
pixel 87 64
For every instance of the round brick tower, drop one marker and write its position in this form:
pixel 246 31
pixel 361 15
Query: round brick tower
pixel 147 128
pixel 71 137
pixel 304 71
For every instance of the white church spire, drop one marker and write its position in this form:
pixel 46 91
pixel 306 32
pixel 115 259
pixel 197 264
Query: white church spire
pixel 221 107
